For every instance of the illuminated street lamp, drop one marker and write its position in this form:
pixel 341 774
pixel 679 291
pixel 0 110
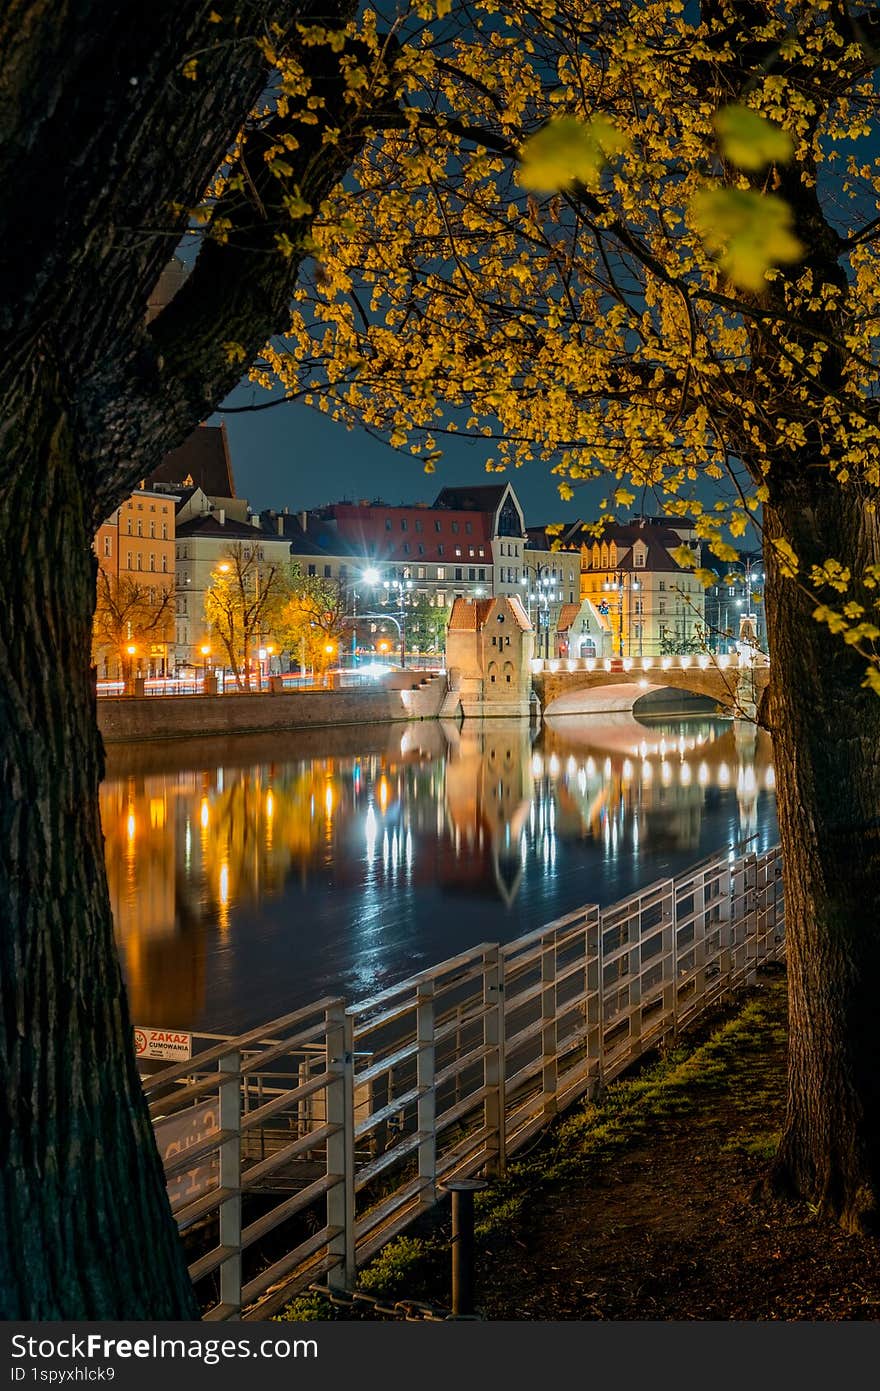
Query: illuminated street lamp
pixel 206 652
pixel 402 588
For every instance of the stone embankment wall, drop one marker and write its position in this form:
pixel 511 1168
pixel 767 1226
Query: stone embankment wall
pixel 122 718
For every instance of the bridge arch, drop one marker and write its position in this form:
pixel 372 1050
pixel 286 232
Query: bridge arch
pixel 575 688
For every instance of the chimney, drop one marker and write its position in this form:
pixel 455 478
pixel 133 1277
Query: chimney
pixel 255 521
pixel 303 520
pixel 222 515
pixel 286 511
pixel 281 525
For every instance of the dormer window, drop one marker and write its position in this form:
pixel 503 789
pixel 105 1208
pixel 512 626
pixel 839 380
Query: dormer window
pixel 639 555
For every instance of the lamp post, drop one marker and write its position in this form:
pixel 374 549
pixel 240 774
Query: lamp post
pixel 206 652
pixel 401 588
pixel 618 586
pixel 371 579
pixel 544 594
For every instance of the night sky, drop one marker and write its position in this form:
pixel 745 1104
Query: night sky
pixel 292 456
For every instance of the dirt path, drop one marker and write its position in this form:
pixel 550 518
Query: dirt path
pixel 664 1226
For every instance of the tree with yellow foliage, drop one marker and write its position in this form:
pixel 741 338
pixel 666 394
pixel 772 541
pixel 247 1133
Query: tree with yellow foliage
pixel 642 245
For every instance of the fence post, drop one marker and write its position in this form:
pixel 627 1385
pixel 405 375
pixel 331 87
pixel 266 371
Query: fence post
pixel 427 1101
pixel 549 1030
pixel 340 1145
pixel 230 1177
pixel 494 1065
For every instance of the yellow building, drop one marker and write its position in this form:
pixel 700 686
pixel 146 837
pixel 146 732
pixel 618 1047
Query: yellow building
pixel 135 550
pixel 649 602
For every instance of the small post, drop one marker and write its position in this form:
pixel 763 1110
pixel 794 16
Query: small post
pixel 462 1191
pixel 230 1177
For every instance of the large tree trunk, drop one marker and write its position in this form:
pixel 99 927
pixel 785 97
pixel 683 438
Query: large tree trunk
pixel 826 736
pixel 85 1226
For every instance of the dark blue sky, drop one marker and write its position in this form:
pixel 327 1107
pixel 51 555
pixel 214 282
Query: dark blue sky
pixel 292 456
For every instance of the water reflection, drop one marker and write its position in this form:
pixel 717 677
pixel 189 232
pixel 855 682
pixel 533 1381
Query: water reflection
pixel 248 876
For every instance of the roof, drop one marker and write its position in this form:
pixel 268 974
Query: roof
pixel 209 524
pixel 486 498
pixel 657 540
pixel 202 460
pixel 470 615
pixel 567 615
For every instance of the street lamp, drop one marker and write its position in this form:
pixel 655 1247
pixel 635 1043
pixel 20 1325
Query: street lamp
pixel 618 585
pixel 544 594
pixel 401 588
pixel 206 652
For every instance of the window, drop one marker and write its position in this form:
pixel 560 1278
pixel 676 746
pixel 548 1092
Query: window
pixel 164 531
pixel 140 527
pixel 441 572
pixel 472 574
pixel 139 561
pixel 455 527
pixel 418 524
pixel 421 549
pixel 108 546
pixel 164 564
pixel 458 572
pixel 662 585
pixel 468 528
pixel 420 573
pixel 639 608
pixel 639 559
pixel 128 566
pixel 403 524
pixel 482 574
pixel 128 524
pixel 152 528
pixel 327 572
pixel 152 561
pixel 312 570
pixel 441 598
pixel 387 523
pixel 480 552
pixel 439 550
pixel 437 526
pixel 458 552
pixel 661 606
pixel 406 548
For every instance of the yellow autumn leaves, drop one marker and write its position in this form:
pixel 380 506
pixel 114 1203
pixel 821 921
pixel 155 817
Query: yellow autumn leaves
pixel 747 232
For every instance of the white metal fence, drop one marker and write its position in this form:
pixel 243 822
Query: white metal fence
pixel 295 1151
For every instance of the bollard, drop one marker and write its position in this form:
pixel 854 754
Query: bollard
pixel 463 1191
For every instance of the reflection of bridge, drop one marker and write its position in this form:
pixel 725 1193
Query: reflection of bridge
pixel 586 684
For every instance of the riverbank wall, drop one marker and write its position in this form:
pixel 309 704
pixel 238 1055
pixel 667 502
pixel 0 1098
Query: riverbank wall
pixel 123 719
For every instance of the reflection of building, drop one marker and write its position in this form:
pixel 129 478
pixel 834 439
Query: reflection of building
pixel 488 799
pixel 161 938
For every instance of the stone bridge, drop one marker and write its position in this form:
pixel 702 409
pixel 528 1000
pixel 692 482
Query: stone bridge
pixel 585 685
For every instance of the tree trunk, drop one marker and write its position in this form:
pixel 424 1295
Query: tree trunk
pixel 826 737
pixel 85 1227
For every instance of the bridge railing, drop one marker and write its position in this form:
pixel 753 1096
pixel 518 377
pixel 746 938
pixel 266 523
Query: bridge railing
pixel 653 666
pixel 296 1151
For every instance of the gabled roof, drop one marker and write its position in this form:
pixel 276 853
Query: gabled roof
pixel 567 615
pixel 485 498
pixel 470 615
pixel 209 524
pixel 202 461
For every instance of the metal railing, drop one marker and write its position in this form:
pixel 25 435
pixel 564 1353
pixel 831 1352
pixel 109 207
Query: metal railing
pixel 296 1151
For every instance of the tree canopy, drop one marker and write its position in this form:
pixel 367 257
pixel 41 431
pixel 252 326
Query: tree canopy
pixel 634 242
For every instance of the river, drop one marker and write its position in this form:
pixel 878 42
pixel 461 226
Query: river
pixel 250 875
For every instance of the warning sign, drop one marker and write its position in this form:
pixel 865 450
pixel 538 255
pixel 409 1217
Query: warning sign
pixel 170 1045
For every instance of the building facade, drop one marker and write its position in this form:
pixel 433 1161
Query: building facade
pixel 135 552
pixel 650 602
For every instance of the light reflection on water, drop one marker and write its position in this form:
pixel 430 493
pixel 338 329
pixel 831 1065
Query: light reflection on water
pixel 248 876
